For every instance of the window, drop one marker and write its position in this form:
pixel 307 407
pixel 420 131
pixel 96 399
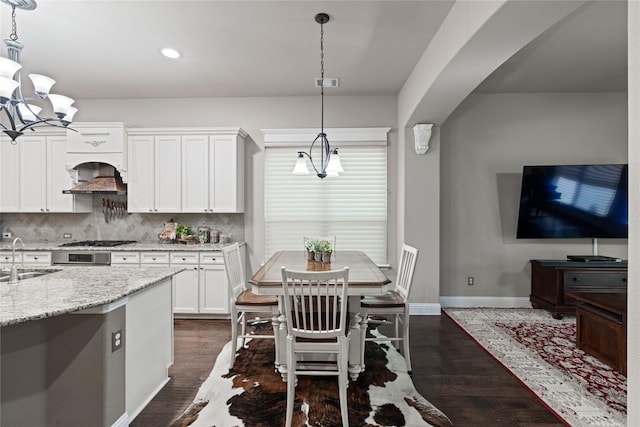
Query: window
pixel 353 206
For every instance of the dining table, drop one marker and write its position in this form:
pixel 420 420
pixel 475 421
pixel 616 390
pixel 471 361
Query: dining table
pixel 365 279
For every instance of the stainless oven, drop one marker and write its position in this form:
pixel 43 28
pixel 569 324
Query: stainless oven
pixel 80 258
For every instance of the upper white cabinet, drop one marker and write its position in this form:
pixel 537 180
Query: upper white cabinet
pixel 153 173
pixel 34 175
pixel 194 169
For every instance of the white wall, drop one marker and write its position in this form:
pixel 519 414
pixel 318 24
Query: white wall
pixel 254 114
pixel 484 145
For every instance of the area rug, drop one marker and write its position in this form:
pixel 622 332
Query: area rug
pixel 541 353
pixel 253 394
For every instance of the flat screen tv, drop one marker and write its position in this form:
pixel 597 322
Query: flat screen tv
pixel 574 201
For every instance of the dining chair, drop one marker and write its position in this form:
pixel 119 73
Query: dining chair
pixel 315 305
pixel 393 305
pixel 242 301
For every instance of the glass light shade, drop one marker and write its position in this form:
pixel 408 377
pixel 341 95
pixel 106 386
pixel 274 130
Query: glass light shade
pixel 334 163
pixel 29 113
pixel 42 84
pixel 60 104
pixel 332 173
pixel 301 166
pixel 8 68
pixel 71 111
pixel 7 86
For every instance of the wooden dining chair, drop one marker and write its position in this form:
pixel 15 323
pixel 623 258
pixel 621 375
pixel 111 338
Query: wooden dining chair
pixel 242 301
pixel 393 305
pixel 315 305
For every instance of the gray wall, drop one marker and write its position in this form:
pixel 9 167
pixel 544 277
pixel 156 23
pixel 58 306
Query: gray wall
pixel 484 145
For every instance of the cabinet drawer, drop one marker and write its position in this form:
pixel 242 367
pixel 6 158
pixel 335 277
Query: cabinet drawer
pixel 125 258
pixel 596 281
pixel 180 258
pixel 154 258
pixel 36 258
pixel 6 257
pixel 211 258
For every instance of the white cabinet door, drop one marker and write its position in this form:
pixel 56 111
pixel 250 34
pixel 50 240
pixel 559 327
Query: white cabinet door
pixel 33 173
pixel 9 176
pixel 214 297
pixel 154 173
pixel 195 173
pixel 167 173
pixel 226 174
pixel 140 174
pixel 185 291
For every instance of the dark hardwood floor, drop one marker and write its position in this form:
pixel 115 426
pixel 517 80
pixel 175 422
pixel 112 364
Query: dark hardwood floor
pixel 449 369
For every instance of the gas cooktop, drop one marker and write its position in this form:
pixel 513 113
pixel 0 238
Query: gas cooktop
pixel 98 243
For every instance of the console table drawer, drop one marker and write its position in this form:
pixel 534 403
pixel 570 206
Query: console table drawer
pixel 594 281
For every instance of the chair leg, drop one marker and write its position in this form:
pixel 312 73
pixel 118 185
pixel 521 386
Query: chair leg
pixel 243 319
pixel 343 382
pixel 405 339
pixel 291 381
pixel 234 338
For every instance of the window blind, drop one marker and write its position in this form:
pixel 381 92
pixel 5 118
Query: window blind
pixel 353 206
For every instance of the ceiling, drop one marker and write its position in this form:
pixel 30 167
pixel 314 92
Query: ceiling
pixel 99 49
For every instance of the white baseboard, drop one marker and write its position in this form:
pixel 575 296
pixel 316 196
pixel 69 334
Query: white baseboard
pixel 425 309
pixel 123 421
pixel 497 302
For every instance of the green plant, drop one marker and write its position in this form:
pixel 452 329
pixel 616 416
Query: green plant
pixel 325 246
pixel 184 230
pixel 310 245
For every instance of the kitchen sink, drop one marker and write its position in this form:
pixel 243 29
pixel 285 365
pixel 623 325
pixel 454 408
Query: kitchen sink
pixel 24 274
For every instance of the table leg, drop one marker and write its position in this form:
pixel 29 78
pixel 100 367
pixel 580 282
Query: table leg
pixel 356 347
pixel 280 333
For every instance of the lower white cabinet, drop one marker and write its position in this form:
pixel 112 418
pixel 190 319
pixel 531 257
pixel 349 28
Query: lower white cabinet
pixel 26 258
pixel 214 294
pixel 186 284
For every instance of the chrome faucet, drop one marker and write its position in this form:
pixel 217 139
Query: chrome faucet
pixel 13 276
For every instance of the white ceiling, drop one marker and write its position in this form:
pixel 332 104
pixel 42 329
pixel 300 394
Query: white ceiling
pixel 99 49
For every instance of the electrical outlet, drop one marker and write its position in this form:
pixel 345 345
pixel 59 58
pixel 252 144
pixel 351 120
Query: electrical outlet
pixel 66 236
pixel 116 340
pixel 470 281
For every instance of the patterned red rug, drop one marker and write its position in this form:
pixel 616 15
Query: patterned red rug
pixel 541 353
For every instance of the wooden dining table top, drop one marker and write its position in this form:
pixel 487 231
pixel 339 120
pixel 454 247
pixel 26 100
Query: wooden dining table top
pixel 365 277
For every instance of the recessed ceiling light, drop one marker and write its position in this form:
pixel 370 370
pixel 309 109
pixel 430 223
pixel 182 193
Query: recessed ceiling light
pixel 170 53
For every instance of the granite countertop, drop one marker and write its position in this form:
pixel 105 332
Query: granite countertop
pixel 140 246
pixel 70 289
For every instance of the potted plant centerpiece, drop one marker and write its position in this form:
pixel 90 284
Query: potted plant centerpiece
pixel 311 246
pixel 326 250
pixel 183 232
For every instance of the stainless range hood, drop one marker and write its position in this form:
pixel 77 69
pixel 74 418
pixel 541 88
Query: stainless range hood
pixel 98 178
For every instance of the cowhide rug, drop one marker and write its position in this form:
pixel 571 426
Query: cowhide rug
pixel 253 394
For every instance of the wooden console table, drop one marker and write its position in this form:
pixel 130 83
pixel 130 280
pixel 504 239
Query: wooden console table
pixel 601 326
pixel 552 279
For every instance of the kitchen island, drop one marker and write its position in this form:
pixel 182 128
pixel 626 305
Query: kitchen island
pixel 84 346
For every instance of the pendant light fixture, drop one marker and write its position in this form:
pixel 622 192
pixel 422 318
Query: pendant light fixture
pixel 22 115
pixel 329 164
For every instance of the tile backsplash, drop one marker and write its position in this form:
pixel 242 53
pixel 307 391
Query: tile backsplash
pixel 38 227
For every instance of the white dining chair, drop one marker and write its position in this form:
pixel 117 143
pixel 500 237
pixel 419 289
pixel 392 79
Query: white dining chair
pixel 393 305
pixel 315 305
pixel 242 301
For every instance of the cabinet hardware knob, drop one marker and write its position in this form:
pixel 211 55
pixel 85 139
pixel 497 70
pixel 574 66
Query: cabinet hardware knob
pixel 624 279
pixel 576 279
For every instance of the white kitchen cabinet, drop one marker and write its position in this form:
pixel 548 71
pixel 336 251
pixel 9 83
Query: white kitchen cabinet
pixel 214 293
pixel 125 258
pixel 191 170
pixel 151 258
pixel 154 173
pixel 213 173
pixel 26 258
pixel 34 176
pixel 185 289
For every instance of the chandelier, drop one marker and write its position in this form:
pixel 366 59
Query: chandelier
pixel 20 113
pixel 329 164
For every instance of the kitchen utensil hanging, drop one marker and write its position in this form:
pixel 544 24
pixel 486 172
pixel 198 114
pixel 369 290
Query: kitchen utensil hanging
pixel 113 210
